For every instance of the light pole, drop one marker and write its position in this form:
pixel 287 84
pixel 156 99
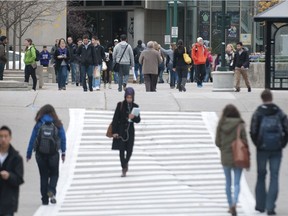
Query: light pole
pixel 175 16
pixel 223 35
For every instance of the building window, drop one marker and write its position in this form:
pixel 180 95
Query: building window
pixel 128 3
pixel 112 3
pixel 76 3
pixel 93 3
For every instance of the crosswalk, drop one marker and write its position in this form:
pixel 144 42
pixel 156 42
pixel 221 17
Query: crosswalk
pixel 175 169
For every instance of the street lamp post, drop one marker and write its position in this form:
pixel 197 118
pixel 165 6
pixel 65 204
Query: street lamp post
pixel 175 16
pixel 223 35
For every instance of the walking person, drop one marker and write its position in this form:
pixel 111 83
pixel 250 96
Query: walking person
pixel 199 56
pixel 30 62
pixel 45 57
pixel 138 67
pixel 107 74
pixel 123 55
pixel 225 135
pixel 99 57
pixel 209 62
pixel 229 56
pixel 86 54
pixel 48 136
pixel 150 60
pixel 115 73
pixel 11 174
pixel 169 62
pixel 180 66
pixel 241 65
pixel 62 57
pixel 72 48
pixel 52 52
pixel 161 67
pixel 77 62
pixel 269 133
pixel 123 128
pixel 3 57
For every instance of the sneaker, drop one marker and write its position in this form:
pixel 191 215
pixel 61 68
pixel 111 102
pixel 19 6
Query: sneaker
pixel 249 89
pixel 271 212
pixel 52 197
pixel 97 88
pixel 124 86
pixel 109 86
pixel 259 210
pixel 64 88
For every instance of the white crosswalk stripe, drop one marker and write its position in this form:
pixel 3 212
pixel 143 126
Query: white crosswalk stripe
pixel 175 169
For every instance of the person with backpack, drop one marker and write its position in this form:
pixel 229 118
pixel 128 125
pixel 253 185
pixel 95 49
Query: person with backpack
pixel 11 174
pixel 138 67
pixel 48 137
pixel 30 62
pixel 62 57
pixel 3 57
pixel 269 133
pixel 45 57
pixel 123 128
pixel 209 62
pixel 225 135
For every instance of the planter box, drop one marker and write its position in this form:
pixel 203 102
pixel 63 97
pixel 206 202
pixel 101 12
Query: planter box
pixel 223 81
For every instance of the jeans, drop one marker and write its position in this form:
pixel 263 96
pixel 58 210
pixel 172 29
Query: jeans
pixel 200 72
pixel 77 73
pixel 73 72
pixel 136 68
pixel 266 199
pixel 49 173
pixel 30 71
pixel 87 70
pixel 208 73
pixel 237 177
pixel 2 66
pixel 123 75
pixel 62 76
pixel 116 78
pixel 97 82
pixel 173 75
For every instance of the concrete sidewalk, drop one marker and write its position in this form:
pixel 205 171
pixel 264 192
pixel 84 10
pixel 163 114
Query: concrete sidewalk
pixel 18 110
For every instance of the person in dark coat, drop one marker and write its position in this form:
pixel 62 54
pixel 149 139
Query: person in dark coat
pixel 123 128
pixel 11 174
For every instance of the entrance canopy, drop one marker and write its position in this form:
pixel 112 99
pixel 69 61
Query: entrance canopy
pixel 276 45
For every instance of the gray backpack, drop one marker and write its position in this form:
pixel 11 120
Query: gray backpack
pixel 47 141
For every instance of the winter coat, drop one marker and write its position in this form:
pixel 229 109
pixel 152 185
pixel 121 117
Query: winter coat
pixel 169 53
pixel 150 59
pixel 225 135
pixel 61 133
pixel 128 57
pixel 86 53
pixel 120 124
pixel 137 52
pixel 72 48
pixel 9 189
pixel 30 55
pixel 265 110
pixel 3 58
pixel 199 54
pixel 241 59
pixel 178 59
pixel 99 54
pixel 58 62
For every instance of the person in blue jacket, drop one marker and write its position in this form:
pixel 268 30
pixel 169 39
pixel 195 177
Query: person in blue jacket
pixel 48 164
pixel 45 57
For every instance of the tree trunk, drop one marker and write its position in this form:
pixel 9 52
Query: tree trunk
pixel 14 46
pixel 20 46
pixel 7 47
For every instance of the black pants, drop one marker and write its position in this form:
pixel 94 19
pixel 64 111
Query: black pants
pixel 107 76
pixel 182 72
pixel 30 71
pixel 150 82
pixel 200 72
pixel 125 158
pixel 49 174
pixel 2 66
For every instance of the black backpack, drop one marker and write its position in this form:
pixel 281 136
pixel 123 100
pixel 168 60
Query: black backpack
pixel 38 56
pixel 271 133
pixel 137 53
pixel 47 141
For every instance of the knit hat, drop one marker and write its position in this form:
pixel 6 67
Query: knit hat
pixel 129 91
pixel 199 39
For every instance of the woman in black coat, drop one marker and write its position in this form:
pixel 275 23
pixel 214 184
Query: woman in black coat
pixel 123 128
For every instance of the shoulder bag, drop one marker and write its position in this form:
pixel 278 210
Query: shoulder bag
pixel 109 132
pixel 186 57
pixel 117 64
pixel 240 149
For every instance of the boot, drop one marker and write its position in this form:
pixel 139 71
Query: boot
pixel 183 83
pixel 233 211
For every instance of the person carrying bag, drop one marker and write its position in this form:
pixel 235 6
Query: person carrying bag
pixel 231 139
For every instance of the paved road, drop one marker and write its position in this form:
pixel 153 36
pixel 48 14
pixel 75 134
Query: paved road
pixel 19 108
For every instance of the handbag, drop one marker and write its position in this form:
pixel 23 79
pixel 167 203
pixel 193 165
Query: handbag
pixel 96 72
pixel 117 64
pixel 186 57
pixel 104 66
pixel 240 150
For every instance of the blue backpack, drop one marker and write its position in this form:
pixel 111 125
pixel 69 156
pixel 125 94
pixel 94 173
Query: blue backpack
pixel 270 133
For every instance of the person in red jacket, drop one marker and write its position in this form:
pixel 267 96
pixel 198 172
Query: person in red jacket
pixel 199 56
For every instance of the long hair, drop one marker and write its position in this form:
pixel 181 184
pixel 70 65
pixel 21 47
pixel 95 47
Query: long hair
pixel 62 39
pixel 48 110
pixel 230 111
pixel 29 41
pixel 180 46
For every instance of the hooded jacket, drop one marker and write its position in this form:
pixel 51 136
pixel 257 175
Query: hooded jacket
pixel 86 53
pixel 3 58
pixel 30 55
pixel 99 54
pixel 128 57
pixel 199 54
pixel 225 135
pixel 265 110
pixel 61 133
pixel 9 189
